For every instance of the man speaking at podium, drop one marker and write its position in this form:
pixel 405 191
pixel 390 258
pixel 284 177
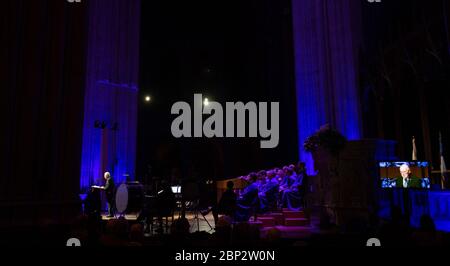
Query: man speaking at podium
pixel 407 180
pixel 109 189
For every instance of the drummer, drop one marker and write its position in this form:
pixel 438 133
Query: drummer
pixel 109 189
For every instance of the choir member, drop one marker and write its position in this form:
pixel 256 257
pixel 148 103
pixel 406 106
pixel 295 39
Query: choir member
pixel 268 192
pixel 248 201
pixel 292 196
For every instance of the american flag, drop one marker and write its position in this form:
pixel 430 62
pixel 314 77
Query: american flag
pixel 414 151
pixel 443 166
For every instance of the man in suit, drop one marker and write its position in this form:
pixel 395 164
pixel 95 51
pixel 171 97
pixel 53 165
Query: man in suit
pixel 248 201
pixel 407 180
pixel 227 204
pixel 268 192
pixel 304 188
pixel 109 189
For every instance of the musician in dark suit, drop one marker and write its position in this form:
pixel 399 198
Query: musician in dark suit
pixel 109 189
pixel 407 180
pixel 227 203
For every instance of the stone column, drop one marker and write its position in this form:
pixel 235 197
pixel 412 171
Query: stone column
pixel 326 41
pixel 110 113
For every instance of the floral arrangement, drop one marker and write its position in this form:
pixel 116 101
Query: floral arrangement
pixel 328 138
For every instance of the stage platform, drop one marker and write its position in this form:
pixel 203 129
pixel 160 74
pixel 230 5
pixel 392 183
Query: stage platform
pixel 285 231
pixel 435 203
pixel 202 224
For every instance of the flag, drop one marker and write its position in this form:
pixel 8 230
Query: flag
pixel 414 151
pixel 443 166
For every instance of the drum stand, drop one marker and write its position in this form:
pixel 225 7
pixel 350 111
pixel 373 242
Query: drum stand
pixel 118 216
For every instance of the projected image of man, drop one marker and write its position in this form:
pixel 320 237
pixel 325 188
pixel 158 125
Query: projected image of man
pixel 407 180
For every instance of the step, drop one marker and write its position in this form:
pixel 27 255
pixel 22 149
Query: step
pixel 294 214
pixel 296 222
pixel 279 217
pixel 290 232
pixel 256 223
pixel 267 221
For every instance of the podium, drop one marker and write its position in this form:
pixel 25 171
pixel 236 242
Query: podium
pixel 348 184
pixel 94 201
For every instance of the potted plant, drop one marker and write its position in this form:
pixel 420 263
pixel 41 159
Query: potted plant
pixel 326 138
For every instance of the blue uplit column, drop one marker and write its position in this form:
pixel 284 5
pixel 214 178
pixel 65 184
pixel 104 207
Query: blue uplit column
pixel 327 38
pixel 111 90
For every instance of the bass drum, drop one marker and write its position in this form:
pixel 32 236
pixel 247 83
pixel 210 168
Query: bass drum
pixel 129 198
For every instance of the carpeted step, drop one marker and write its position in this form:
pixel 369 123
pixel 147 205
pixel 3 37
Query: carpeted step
pixel 256 223
pixel 296 222
pixel 289 232
pixel 267 221
pixel 294 214
pixel 279 218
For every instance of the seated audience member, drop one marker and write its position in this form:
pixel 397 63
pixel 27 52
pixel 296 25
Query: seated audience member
pixel 248 200
pixel 227 204
pixel 223 230
pixel 286 182
pixel 246 178
pixel 262 181
pixel 292 169
pixel 304 188
pixel 80 228
pixel 179 233
pixel 94 228
pixel 180 227
pixel 291 196
pixel 294 175
pixel 268 192
pixel 251 191
pixel 116 233
pixel 245 235
pixel 288 179
pixel 136 235
pixel 397 232
pixel 276 171
pixel 427 235
pixel 282 178
pixel 273 237
pixel 262 175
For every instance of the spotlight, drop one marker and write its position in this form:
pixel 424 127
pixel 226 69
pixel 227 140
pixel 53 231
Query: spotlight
pixel 206 102
pixel 148 99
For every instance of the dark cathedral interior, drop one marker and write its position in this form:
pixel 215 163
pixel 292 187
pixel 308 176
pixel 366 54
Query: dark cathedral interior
pixel 256 123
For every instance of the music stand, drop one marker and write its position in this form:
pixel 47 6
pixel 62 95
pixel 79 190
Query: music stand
pixel 191 193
